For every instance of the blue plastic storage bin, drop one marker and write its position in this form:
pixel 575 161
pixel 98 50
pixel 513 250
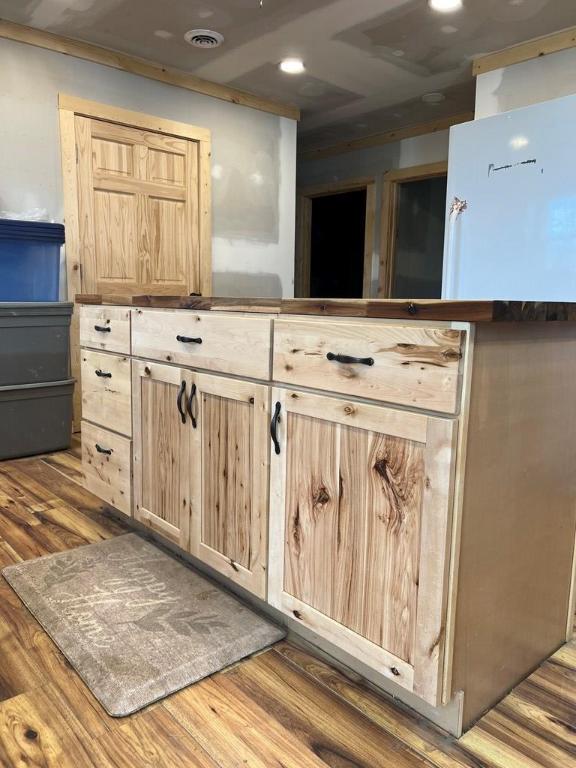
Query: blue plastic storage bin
pixel 30 260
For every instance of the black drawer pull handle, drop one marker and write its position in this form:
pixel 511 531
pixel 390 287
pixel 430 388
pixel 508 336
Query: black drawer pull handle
pixel 350 360
pixel 274 428
pixel 189 339
pixel 189 406
pixel 103 374
pixel 102 328
pixel 179 401
pixel 107 451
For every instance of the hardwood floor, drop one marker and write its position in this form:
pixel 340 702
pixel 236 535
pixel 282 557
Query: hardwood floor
pixel 280 709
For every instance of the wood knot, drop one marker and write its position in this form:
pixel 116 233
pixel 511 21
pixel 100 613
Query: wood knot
pixel 321 496
pixel 31 734
pixel 147 371
pixel 297 614
pixel 349 410
pixel 381 466
pixel 395 671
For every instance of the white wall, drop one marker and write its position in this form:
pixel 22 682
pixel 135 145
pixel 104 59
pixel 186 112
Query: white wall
pixel 253 159
pixel 529 82
pixel 375 161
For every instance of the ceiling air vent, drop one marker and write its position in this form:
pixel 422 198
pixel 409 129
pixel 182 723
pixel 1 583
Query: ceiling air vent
pixel 204 38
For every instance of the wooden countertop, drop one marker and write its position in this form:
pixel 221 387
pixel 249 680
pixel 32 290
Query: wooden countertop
pixel 435 309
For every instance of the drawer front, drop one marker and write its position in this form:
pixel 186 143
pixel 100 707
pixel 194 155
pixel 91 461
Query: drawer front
pixel 106 390
pixel 106 328
pixel 107 466
pixel 226 343
pixel 413 366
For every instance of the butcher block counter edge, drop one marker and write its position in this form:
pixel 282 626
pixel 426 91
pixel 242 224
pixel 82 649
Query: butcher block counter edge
pixel 464 311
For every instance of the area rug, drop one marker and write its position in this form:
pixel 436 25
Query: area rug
pixel 134 622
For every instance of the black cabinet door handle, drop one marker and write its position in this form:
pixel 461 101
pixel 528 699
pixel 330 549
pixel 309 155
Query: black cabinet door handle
pixel 274 428
pixel 103 374
pixel 102 328
pixel 189 339
pixel 350 360
pixel 179 401
pixel 107 451
pixel 189 406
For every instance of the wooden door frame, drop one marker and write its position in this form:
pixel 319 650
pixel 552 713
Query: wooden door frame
pixel 389 211
pixel 71 106
pixel 304 197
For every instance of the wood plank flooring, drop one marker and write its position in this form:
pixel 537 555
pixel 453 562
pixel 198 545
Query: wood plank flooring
pixel 280 709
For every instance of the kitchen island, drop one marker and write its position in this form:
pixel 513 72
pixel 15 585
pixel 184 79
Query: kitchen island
pixel 395 479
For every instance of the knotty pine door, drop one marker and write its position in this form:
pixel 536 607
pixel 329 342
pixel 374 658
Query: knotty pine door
pixel 359 530
pixel 137 210
pixel 230 479
pixel 163 449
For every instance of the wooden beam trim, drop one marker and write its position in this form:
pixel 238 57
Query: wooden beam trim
pixel 131 118
pixel 143 67
pixel 378 139
pixel 533 49
pixel 336 187
pixel 417 172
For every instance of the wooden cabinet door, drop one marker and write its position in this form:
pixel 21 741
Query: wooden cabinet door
pixel 162 450
pixel 359 530
pixel 138 210
pixel 230 485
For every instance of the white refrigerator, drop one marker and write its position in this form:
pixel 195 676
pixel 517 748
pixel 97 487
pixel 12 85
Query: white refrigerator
pixel 511 206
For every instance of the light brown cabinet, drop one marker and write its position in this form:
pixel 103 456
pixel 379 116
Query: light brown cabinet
pixel 201 466
pixel 359 530
pixel 230 478
pixel 392 511
pixel 162 449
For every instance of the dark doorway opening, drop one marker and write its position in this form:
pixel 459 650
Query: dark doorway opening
pixel 337 245
pixel 419 242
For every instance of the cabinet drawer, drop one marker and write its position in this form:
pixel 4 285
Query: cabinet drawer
pixel 414 366
pixel 106 390
pixel 226 343
pixel 107 466
pixel 106 328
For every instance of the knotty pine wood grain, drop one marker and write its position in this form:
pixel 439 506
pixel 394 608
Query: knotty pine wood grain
pixel 412 366
pixel 161 450
pixel 226 462
pixel 294 710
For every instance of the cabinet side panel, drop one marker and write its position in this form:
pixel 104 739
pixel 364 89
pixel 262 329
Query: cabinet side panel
pixel 519 511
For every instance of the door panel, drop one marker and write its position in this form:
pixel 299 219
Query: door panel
pixel 115 227
pixel 360 506
pixel 167 226
pixel 229 529
pixel 162 450
pixel 226 469
pixel 138 210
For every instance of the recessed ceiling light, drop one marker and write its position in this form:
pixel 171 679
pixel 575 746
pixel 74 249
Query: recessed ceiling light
pixel 445 6
pixel 292 66
pixel 433 98
pixel 204 38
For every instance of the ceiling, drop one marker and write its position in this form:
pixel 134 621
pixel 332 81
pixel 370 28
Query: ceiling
pixel 368 62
